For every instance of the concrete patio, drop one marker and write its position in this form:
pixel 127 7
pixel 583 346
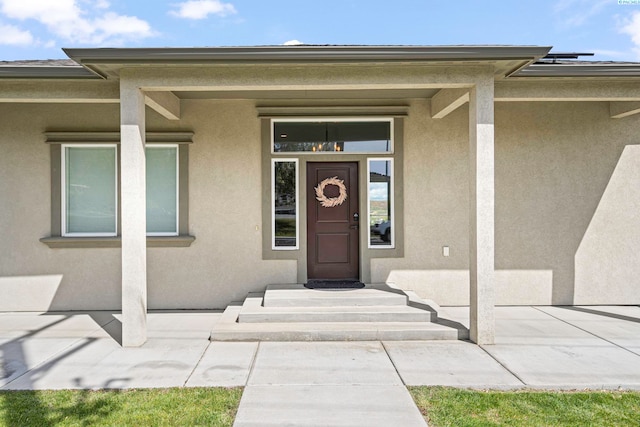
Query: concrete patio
pixel 324 383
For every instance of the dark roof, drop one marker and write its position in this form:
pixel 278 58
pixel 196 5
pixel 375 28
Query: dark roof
pixel 45 69
pixel 41 63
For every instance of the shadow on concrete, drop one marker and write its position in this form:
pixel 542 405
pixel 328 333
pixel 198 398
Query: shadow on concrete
pixel 28 407
pixel 109 323
pixel 602 313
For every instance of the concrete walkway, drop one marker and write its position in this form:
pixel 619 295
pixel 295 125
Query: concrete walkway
pixel 324 383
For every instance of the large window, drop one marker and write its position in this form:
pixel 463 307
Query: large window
pixel 284 185
pixel 162 189
pixel 380 198
pixel 333 136
pixel 89 190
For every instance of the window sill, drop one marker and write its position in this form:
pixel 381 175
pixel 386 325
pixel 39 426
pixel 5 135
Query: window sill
pixel 57 242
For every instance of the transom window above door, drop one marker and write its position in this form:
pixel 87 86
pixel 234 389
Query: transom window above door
pixel 332 136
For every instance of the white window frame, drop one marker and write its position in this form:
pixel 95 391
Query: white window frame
pixel 392 237
pixel 273 204
pixel 63 192
pixel 177 148
pixel 332 119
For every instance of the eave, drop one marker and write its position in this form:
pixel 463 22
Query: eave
pixel 580 70
pixel 45 72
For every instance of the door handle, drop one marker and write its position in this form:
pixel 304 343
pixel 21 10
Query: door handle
pixel 354 227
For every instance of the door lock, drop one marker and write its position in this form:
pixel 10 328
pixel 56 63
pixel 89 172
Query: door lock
pixel 356 217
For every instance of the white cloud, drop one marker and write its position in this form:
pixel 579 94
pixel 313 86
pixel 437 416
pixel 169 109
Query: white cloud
pixel 14 36
pixel 79 21
pixel 293 43
pixel 378 191
pixel 631 27
pixel 201 9
pixel 575 13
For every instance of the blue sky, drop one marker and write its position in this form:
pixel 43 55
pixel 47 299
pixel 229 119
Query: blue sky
pixel 38 29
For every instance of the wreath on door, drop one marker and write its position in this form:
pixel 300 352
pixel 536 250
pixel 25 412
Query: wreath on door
pixel 331 202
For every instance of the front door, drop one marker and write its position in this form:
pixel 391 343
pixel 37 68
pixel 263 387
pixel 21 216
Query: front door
pixel 332 221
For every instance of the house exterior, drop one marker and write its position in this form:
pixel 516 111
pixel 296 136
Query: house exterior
pixel 184 178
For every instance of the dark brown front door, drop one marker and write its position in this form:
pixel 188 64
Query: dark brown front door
pixel 332 223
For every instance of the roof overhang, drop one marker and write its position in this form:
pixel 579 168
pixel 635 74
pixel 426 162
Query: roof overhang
pixel 505 59
pixel 580 70
pixel 45 72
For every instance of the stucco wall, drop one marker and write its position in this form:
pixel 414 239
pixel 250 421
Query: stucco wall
pixel 567 206
pixel 222 265
pixel 567 209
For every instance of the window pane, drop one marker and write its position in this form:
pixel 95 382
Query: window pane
pixel 90 190
pixel 348 137
pixel 285 206
pixel 380 186
pixel 162 181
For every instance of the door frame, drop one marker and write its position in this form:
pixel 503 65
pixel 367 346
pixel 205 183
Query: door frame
pixel 299 256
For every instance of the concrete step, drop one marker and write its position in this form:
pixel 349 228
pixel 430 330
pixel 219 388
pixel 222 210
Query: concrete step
pixel 335 314
pixel 254 312
pixel 333 331
pixel 299 296
pixel 295 313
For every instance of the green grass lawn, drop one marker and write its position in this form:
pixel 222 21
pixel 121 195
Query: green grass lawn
pixel 455 407
pixel 149 407
pixel 218 406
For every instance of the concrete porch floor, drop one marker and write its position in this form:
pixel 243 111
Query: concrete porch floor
pixel 318 383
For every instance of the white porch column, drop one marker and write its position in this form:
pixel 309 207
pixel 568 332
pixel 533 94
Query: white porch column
pixel 481 200
pixel 133 214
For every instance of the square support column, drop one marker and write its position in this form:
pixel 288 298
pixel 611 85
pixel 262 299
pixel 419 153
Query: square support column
pixel 481 215
pixel 133 214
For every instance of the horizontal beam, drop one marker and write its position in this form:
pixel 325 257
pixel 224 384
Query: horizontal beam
pixel 448 100
pixel 164 103
pixel 563 90
pixel 302 78
pixel 619 110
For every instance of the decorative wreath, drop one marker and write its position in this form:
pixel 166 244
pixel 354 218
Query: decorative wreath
pixel 331 202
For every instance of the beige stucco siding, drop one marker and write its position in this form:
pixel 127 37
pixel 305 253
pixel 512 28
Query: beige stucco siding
pixel 225 262
pixel 567 203
pixel 567 209
pixel 32 276
pixel 222 265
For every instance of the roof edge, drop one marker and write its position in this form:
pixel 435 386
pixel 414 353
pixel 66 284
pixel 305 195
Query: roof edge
pixel 580 70
pixel 46 72
pixel 303 53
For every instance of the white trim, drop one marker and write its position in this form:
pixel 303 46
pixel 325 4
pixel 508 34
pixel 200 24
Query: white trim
pixel 392 239
pixel 273 204
pixel 177 148
pixel 324 119
pixel 63 190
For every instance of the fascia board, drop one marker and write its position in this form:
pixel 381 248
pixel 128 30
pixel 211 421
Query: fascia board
pixel 302 54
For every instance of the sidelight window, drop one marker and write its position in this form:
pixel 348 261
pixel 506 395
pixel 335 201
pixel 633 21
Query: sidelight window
pixel 285 212
pixel 380 203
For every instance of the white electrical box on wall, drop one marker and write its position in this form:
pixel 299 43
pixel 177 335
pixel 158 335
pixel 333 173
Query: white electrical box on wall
pixel 445 251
